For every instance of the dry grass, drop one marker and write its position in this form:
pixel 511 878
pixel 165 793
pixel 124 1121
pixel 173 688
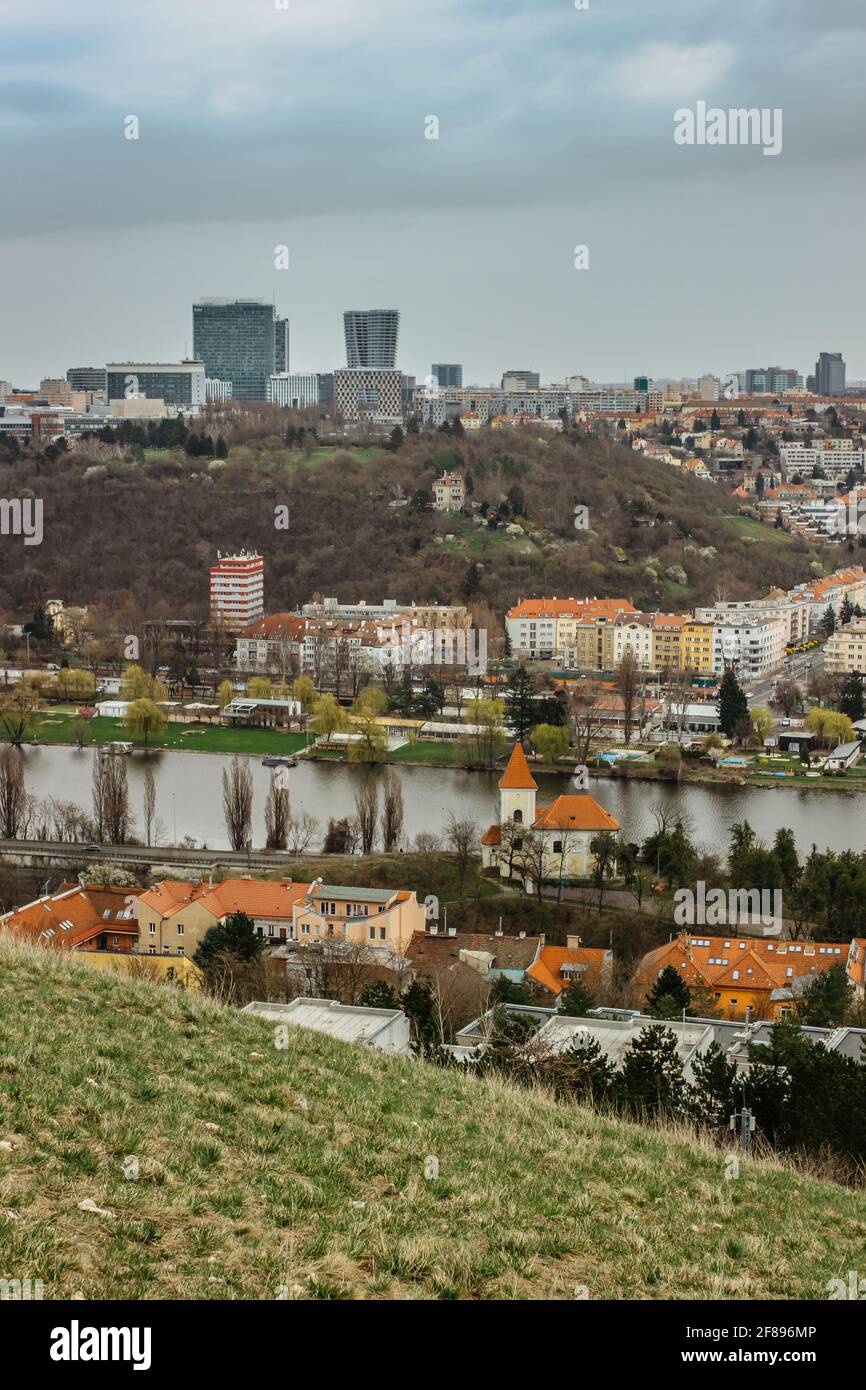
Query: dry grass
pixel 265 1173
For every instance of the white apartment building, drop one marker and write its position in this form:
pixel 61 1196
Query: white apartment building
pixel 708 387
pixel 297 390
pixel 835 458
pixel 449 493
pixel 753 647
pixel 237 590
pixel 633 632
pixel 795 616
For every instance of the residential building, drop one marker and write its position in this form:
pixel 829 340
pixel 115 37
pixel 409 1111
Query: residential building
pixel 856 966
pixel 237 590
pixel 78 917
pixel 544 628
pixel 449 493
pixel 235 339
pixel 447 374
pixel 386 1030
pixel 382 919
pixel 845 651
pixel 297 390
pixel 553 842
pixel 667 636
pixel 748 978
pixel 835 458
pixel 557 967
pixel 271 646
pixel 172 919
pixel 632 633
pixel 761 381
pixel 708 387
pixel 753 647
pixel 175 383
pixel 697 646
pixel 371 338
pixel 269 905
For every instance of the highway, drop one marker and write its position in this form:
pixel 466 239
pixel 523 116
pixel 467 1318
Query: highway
pixel 155 854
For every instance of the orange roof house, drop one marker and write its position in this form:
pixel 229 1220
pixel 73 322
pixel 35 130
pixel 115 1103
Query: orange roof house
pixel 742 973
pixel 556 967
pixel 79 917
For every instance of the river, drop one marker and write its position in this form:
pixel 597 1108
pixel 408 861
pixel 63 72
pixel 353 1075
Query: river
pixel 189 799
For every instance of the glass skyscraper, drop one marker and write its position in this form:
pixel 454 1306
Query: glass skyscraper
pixel 371 338
pixel 236 339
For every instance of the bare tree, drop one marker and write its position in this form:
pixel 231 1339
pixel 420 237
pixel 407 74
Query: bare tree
pixel 238 801
pixel 586 718
pixel 277 815
pixel 149 804
pixel 367 810
pixel 116 799
pixel 301 831
pixel 461 836
pixel 428 849
pixel 13 795
pixel 392 811
pixel 98 794
pixel 627 683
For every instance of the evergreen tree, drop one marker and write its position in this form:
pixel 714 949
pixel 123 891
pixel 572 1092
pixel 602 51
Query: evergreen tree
pixel 222 449
pixel 585 1074
pixel 575 1000
pixel 650 1084
pixel 505 991
pixel 851 696
pixel 827 1000
pixel 378 994
pixel 733 705
pixel 785 851
pixel 669 995
pixel 520 708
pixel 236 936
pixel 418 1006
pixel 713 1093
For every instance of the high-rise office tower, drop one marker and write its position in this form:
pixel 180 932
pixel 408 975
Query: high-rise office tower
pixel 830 374
pixel 281 345
pixel 520 379
pixel 236 339
pixel 371 338
pixel 448 373
pixel 86 378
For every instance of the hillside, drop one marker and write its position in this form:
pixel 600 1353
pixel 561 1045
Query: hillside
pixel 303 1168
pixel 138 528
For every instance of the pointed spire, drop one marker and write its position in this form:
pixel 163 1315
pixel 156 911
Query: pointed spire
pixel 517 776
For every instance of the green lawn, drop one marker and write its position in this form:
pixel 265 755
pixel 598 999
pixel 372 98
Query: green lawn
pixel 54 727
pixel 760 530
pixel 230 1162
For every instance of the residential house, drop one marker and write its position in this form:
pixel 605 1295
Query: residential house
pixel 78 917
pixel 382 919
pixel 747 977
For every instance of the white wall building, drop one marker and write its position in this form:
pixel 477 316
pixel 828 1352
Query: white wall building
pixel 752 646
pixel 297 390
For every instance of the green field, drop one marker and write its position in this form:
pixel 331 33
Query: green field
pixel 759 530
pixel 54 727
pixel 226 1167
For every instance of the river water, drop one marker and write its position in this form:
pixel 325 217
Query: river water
pixel 189 799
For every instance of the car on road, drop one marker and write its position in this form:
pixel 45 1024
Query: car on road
pixel 93 849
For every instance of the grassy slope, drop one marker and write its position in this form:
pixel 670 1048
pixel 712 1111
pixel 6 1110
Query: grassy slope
pixel 304 1168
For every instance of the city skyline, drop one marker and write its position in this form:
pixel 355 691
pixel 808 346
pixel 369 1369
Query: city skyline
pixel 472 233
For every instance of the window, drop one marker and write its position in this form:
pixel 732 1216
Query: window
pixel 371 931
pixel 151 927
pixel 557 847
pixel 382 933
pixel 180 950
pixel 180 928
pixel 518 817
pixel 115 941
pixel 152 950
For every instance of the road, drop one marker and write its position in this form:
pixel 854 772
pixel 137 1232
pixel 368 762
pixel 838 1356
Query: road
pixel 158 854
pixel 797 668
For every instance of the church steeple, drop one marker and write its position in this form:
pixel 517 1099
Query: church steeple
pixel 517 788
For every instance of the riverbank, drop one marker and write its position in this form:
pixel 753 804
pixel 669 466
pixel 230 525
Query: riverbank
pixel 58 727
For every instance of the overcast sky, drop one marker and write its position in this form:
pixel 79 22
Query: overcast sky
pixel 305 126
